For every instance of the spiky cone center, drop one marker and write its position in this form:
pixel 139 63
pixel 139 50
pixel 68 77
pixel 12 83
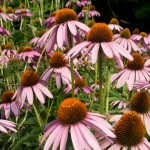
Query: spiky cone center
pixel 2 47
pixel 64 15
pixel 21 6
pixel 114 21
pixel 79 82
pixel 71 111
pixel 90 23
pixel 92 7
pixel 23 11
pixel 40 34
pixel 1 9
pixel 140 102
pixel 9 46
pixel 9 10
pixel 137 63
pixel 27 49
pixel 54 13
pixel 29 78
pixel 58 60
pixel 100 32
pixel 136 31
pixel 129 130
pixel 143 34
pixel 7 97
pixel 20 49
pixel 125 33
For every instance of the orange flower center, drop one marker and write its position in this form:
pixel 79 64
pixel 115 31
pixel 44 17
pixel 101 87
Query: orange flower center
pixel 1 9
pixel 40 34
pixel 100 32
pixel 143 34
pixel 20 49
pixel 140 102
pixel 114 21
pixel 7 97
pixel 125 33
pixel 27 49
pixel 136 31
pixel 130 129
pixel 57 60
pixel 92 7
pixel 137 63
pixel 79 82
pixel 71 111
pixel 9 46
pixel 21 6
pixel 29 78
pixel 64 15
pixel 22 11
pixel 9 10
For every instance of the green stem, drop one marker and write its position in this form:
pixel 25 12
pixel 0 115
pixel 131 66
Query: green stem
pixel 49 110
pixel 21 23
pixel 72 78
pixel 40 59
pixel 24 119
pixel 38 116
pixel 107 93
pixel 101 101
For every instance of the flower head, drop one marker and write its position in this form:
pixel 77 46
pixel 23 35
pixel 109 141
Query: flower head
pixel 30 82
pixel 134 70
pixel 73 116
pixel 125 40
pixel 65 25
pixel 100 38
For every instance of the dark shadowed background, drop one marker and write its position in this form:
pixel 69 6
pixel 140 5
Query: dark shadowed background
pixel 130 13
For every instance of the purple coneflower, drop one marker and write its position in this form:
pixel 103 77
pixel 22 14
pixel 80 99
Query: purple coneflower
pixel 28 53
pixel 141 84
pixel 130 131
pixel 4 16
pixel 72 116
pixel 114 25
pixel 59 65
pixel 21 13
pixel 10 13
pixel 8 105
pixel 7 50
pixel 79 84
pixel 49 22
pixel 134 70
pixel 124 39
pixel 7 124
pixel 140 103
pixel 73 2
pixel 100 38
pixel 142 39
pixel 30 82
pixel 65 30
pixel 91 12
pixel 3 31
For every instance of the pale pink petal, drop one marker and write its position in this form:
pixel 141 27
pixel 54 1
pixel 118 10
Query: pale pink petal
pixel 107 50
pixel 45 90
pixel 131 80
pixel 15 109
pixel 52 137
pixel 30 95
pixel 95 51
pixel 87 89
pixel 60 36
pixel 39 94
pixel 23 94
pixel 58 80
pixel 7 110
pixel 76 90
pixel 91 140
pixel 81 26
pixel 72 28
pixel 75 141
pixel 3 129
